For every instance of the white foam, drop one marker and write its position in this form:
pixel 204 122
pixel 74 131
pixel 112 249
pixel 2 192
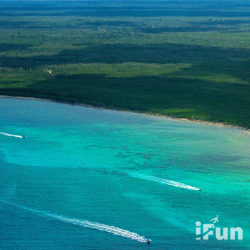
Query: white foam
pixel 6 134
pixel 88 224
pixel 163 181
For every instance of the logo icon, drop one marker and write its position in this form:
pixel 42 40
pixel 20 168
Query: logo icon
pixel 207 231
pixel 215 219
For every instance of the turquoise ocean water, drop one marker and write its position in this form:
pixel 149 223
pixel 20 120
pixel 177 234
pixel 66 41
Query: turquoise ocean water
pixel 86 178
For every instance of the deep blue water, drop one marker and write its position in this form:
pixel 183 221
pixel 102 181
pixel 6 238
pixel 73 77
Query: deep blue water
pixel 82 176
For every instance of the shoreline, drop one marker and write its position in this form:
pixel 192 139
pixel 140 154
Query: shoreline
pixel 121 110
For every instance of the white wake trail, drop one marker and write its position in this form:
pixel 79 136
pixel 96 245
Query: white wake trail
pixel 163 181
pixel 6 134
pixel 85 223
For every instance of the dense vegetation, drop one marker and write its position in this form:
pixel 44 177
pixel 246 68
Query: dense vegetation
pixel 179 58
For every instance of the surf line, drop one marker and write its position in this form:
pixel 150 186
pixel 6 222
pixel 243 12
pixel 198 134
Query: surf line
pixel 86 223
pixel 163 181
pixel 6 134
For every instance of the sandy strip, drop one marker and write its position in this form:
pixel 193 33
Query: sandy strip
pixel 129 111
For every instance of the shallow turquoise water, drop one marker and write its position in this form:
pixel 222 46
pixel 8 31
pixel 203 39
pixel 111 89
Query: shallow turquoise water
pixel 80 172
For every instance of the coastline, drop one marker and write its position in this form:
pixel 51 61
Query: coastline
pixel 129 111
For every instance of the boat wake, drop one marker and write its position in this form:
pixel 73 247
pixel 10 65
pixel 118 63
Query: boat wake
pixel 86 223
pixel 6 134
pixel 163 181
